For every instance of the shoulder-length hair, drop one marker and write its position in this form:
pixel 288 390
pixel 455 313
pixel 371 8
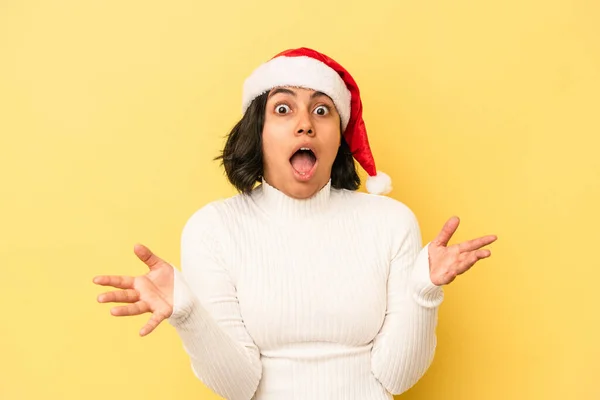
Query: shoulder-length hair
pixel 243 159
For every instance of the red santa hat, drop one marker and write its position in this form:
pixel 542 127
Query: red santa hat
pixel 307 68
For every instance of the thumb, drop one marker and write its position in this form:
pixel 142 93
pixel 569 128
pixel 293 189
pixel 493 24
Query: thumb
pixel 147 256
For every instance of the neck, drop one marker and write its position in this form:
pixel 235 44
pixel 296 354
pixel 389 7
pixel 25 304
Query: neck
pixel 276 202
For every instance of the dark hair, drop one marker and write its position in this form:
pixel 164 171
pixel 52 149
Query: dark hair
pixel 243 159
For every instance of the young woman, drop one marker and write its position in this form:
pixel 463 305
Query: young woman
pixel 300 287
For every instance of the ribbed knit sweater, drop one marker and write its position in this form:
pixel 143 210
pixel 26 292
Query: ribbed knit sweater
pixel 324 298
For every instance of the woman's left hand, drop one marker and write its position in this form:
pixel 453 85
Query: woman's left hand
pixel 447 262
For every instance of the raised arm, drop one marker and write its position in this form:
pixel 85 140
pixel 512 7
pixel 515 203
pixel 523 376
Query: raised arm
pixel 207 314
pixel 404 347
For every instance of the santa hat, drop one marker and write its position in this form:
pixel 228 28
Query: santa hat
pixel 310 69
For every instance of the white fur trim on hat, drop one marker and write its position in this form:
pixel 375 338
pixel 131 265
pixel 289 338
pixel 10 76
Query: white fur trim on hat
pixel 379 184
pixel 302 71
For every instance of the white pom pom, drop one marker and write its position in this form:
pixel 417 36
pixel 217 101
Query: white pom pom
pixel 380 184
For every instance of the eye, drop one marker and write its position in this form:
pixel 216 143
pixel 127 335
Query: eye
pixel 282 109
pixel 322 110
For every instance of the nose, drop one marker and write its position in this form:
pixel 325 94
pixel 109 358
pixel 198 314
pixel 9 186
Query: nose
pixel 305 127
pixel 307 130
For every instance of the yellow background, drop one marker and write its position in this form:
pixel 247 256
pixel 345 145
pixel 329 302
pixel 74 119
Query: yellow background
pixel 111 112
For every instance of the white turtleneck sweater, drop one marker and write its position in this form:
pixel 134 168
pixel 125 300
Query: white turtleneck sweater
pixel 320 299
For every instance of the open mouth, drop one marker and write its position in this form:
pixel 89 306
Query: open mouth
pixel 303 162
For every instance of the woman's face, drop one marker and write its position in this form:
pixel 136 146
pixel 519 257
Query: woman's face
pixel 301 137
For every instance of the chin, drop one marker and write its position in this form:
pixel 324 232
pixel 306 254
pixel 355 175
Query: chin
pixel 304 189
pixel 301 191
pixel 297 185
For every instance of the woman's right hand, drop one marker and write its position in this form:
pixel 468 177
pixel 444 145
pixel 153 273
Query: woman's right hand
pixel 152 292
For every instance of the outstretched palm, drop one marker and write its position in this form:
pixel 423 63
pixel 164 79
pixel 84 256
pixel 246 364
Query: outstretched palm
pixel 447 262
pixel 152 292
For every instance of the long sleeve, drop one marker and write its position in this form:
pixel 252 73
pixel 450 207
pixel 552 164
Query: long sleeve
pixel 404 348
pixel 207 315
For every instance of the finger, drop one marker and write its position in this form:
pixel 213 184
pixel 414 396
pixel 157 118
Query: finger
pixel 471 258
pixel 447 231
pixel 476 243
pixel 120 282
pixel 119 296
pixel 147 256
pixel 136 308
pixel 153 322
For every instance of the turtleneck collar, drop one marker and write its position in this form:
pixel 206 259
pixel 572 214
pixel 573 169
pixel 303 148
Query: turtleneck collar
pixel 275 202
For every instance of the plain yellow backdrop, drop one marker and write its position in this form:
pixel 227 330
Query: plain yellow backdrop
pixel 111 113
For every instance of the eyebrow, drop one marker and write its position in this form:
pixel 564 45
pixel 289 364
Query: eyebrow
pixel 291 92
pixel 282 90
pixel 317 94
